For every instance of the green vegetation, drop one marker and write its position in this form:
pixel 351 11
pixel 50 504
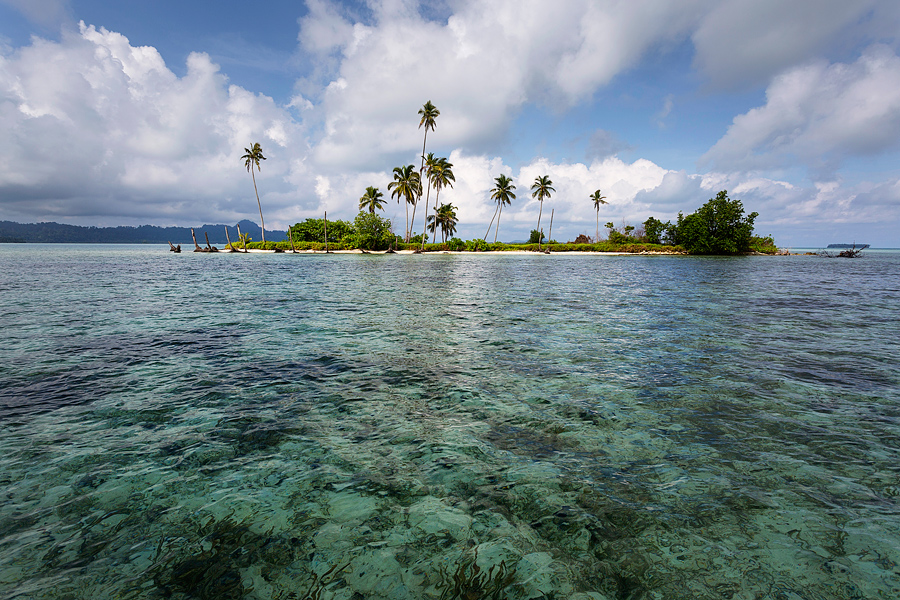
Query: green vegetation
pixel 428 115
pixel 541 189
pixel 598 200
pixel 501 194
pixel 371 232
pixel 406 184
pixel 372 200
pixel 440 175
pixel 655 231
pixel 446 219
pixel 717 227
pixel 763 245
pixel 251 159
pixel 536 237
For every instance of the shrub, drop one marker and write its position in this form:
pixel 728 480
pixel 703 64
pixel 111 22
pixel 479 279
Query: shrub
pixel 656 232
pixel 763 245
pixel 536 237
pixel 718 227
pixel 456 244
pixel 476 245
pixel 371 232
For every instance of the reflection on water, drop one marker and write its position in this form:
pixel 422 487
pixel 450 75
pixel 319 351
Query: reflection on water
pixel 443 427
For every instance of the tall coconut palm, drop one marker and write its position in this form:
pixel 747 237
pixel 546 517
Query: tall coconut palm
pixel 541 189
pixel 406 185
pixel 440 176
pixel 502 194
pixel 251 159
pixel 428 114
pixel 373 199
pixel 598 200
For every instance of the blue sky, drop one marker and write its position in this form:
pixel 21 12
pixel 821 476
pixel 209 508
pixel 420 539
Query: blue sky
pixel 134 113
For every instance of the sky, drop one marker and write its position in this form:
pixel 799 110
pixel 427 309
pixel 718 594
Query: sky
pixel 121 113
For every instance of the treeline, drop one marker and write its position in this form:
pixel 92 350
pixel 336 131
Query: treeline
pixel 56 233
pixel 719 227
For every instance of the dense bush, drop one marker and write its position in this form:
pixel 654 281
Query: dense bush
pixel 476 245
pixel 763 245
pixel 371 232
pixel 657 232
pixel 536 237
pixel 313 230
pixel 718 227
pixel 456 244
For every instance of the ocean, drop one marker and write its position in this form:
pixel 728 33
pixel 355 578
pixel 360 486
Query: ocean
pixel 320 427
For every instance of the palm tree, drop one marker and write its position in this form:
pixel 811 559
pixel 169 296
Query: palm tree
pixel 598 200
pixel 251 159
pixel 441 175
pixel 428 115
pixel 372 199
pixel 431 164
pixel 541 189
pixel 407 185
pixel 503 194
pixel 445 218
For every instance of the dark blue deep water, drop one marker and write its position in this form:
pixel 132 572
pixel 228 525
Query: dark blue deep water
pixel 447 426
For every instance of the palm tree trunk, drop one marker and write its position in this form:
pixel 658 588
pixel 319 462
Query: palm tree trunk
pixel 412 221
pixel 262 224
pixel 491 223
pixel 421 177
pixel 227 237
pixel 497 232
pixel 550 233
pixel 597 239
pixel 407 219
pixel 427 196
pixel 540 210
pixel 197 247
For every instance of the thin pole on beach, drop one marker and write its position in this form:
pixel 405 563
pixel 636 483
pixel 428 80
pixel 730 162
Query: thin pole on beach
pixel 550 233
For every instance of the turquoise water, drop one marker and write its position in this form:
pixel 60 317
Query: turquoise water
pixel 447 426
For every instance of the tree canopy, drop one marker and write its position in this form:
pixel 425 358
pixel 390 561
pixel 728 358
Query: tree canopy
pixel 717 227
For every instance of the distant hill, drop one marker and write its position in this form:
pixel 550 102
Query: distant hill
pixel 56 233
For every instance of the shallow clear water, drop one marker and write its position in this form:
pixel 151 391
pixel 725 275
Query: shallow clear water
pixel 348 426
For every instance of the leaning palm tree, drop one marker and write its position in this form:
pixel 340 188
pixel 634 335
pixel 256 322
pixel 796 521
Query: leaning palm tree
pixel 502 194
pixel 441 176
pixel 541 189
pixel 372 200
pixel 251 159
pixel 428 115
pixel 407 185
pixel 598 200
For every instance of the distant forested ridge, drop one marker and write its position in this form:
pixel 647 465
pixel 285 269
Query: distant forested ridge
pixel 56 233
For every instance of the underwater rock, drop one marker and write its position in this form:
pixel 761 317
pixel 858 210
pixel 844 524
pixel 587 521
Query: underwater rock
pixel 433 516
pixel 377 574
pixel 348 506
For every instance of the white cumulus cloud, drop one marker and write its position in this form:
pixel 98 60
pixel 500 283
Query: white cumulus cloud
pixel 817 115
